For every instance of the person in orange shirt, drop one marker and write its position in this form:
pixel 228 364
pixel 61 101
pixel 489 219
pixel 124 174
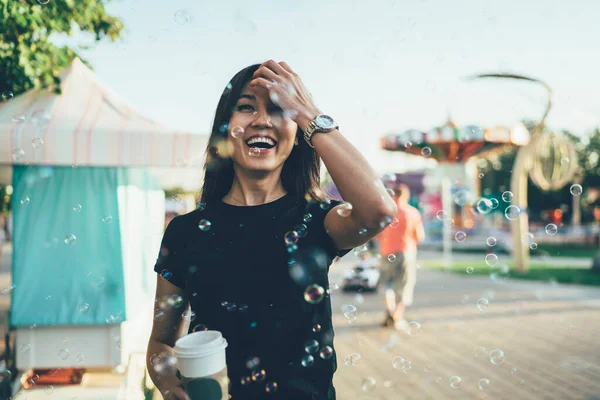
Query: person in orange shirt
pixel 398 248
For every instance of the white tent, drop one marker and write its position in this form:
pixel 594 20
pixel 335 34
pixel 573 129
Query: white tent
pixel 87 236
pixel 91 125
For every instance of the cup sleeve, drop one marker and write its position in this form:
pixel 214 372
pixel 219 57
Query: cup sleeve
pixel 168 263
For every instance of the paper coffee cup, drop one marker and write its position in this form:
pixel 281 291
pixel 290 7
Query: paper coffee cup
pixel 200 354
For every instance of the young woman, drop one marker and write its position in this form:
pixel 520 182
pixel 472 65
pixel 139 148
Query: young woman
pixel 252 260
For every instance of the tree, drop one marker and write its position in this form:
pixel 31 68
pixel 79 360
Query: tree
pixel 498 170
pixel 28 59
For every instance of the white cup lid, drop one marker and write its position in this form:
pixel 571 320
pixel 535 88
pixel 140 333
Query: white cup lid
pixel 200 343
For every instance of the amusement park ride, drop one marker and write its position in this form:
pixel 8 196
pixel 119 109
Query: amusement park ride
pixel 540 156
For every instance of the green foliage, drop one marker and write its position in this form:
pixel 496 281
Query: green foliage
pixel 537 272
pixel 498 172
pixel 28 59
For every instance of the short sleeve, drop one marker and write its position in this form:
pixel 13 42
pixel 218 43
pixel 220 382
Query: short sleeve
pixel 319 215
pixel 168 263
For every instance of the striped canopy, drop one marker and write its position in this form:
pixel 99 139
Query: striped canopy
pixel 89 125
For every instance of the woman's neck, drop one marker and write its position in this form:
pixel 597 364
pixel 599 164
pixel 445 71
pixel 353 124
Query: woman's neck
pixel 240 196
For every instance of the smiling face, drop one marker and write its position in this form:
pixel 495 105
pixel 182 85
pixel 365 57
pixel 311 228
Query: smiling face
pixel 262 137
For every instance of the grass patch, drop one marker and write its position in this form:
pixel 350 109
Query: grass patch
pixel 553 250
pixel 537 272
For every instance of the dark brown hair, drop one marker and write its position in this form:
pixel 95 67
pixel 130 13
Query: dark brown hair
pixel 300 174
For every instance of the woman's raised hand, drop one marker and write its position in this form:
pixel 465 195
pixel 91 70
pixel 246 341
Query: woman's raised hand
pixel 285 90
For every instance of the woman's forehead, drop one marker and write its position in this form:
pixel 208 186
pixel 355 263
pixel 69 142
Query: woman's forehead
pixel 257 93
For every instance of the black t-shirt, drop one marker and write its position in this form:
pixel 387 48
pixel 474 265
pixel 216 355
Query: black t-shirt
pixel 245 271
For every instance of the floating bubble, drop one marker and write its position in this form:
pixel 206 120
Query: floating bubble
pixel 204 225
pixel 290 238
pixel 449 222
pixel 181 17
pixel 507 196
pixel 398 362
pixel 385 222
pixel 254 152
pixel 480 352
pixel 349 311
pixel 512 213
pixel 495 203
pixel 80 358
pixel 25 200
pixel 271 387
pixel 514 371
pixel 496 356
pixel 252 363
pixel 70 239
pixel 441 215
pixel 37 142
pixel 314 294
pixel 18 154
pixel 576 189
pixel 391 258
pixel 482 304
pixel 533 246
pixel 326 353
pixel 63 354
pixel 166 274
pixel 237 132
pixel 483 384
pixel 107 219
pixel 43 1
pixel 344 209
pixel 455 382
pixel 316 328
pixel 307 360
pixel 311 346
pixel 19 118
pixel 83 308
pixel 484 206
pixel 481 175
pixel 368 384
pixel 25 347
pixel 491 241
pixel 551 229
pixel 470 270
pixel 7 95
pixel 77 207
pixel 426 151
pixel 325 204
pixel 307 218
pixel 175 300
pixel 491 259
pixel 259 375
pixel 414 328
pixel 407 145
pixel 460 236
pixel 352 360
pixel 463 197
pixel 395 223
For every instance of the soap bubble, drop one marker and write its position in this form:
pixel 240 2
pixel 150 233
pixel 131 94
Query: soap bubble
pixel 495 203
pixel 352 360
pixel 470 270
pixel 63 354
pixel 551 229
pixel 491 259
pixel 480 352
pixel 426 151
pixel 237 132
pixel 166 274
pixel 181 17
pixel 70 239
pixel 83 308
pixel 414 328
pixel 259 375
pixel 455 382
pixel 460 236
pixel 7 95
pixel 507 196
pixel 77 207
pixel 204 225
pixel 349 311
pixel 107 219
pixel 441 215
pixel 290 238
pixel 483 384
pixel 345 209
pixel 484 206
pixel 307 360
pixel 576 189
pixel 463 197
pixel 271 387
pixel 496 356
pixel 316 328
pixel 326 352
pixel 311 346
pixel 533 246
pixel 391 258
pixel 37 142
pixel 512 213
pixel 368 384
pixel 25 200
pixel 491 241
pixel 314 294
pixel 18 154
pixel 482 304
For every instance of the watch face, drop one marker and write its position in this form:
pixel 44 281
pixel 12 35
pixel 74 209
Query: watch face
pixel 325 122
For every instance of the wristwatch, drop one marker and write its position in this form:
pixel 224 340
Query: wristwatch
pixel 321 123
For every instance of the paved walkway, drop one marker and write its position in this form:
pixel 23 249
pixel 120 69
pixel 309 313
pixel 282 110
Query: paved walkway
pixel 549 334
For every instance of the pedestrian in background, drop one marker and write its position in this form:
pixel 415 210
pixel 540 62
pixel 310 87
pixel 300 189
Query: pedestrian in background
pixel 398 247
